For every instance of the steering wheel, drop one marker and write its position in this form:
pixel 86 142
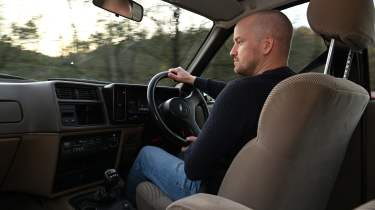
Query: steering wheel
pixel 182 108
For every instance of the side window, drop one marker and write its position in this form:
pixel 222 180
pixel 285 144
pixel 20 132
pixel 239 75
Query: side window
pixel 305 47
pixel 221 66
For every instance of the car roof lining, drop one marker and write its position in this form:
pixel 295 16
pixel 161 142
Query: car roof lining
pixel 226 13
pixel 226 10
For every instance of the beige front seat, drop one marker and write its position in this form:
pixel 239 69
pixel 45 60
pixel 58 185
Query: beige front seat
pixel 206 201
pixel 367 206
pixel 303 131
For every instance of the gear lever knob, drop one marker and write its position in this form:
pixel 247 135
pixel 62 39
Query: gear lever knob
pixel 113 183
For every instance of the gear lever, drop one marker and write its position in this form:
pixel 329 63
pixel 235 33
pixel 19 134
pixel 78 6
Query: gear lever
pixel 107 197
pixel 113 183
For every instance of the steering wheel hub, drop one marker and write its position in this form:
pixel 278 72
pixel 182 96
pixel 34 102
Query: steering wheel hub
pixel 179 107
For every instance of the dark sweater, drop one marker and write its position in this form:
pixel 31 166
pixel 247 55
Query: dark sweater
pixel 232 123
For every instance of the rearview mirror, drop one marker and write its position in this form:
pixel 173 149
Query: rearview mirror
pixel 125 8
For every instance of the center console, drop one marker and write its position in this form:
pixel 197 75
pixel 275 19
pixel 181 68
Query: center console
pixel 83 159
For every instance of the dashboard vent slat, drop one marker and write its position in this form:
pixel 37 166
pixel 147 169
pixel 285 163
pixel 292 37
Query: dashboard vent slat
pixel 65 92
pixel 76 92
pixel 86 94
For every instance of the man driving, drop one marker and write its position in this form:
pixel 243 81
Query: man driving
pixel 260 54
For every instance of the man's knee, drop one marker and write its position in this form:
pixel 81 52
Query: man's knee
pixel 148 153
pixel 148 150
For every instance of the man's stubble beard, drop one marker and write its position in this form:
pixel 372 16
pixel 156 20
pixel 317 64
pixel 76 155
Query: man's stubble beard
pixel 248 70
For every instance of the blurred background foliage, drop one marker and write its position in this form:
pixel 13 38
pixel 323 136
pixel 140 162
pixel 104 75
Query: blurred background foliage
pixel 119 53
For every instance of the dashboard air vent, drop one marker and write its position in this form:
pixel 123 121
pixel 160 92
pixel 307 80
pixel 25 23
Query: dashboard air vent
pixel 86 94
pixel 76 92
pixel 65 92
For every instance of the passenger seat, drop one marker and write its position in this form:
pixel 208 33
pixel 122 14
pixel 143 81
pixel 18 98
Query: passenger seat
pixel 367 206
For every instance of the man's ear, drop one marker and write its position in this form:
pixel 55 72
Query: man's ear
pixel 268 44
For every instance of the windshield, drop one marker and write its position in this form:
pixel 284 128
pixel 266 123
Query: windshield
pixel 43 39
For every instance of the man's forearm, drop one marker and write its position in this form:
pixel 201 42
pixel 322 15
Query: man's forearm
pixel 211 87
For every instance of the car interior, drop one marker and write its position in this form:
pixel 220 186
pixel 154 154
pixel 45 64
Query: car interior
pixel 67 143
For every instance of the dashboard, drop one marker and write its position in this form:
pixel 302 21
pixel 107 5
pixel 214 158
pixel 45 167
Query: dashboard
pixel 84 105
pixel 55 106
pixel 60 136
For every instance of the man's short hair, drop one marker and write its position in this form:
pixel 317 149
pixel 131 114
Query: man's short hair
pixel 275 24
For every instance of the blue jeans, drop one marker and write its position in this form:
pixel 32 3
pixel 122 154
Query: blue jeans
pixel 162 169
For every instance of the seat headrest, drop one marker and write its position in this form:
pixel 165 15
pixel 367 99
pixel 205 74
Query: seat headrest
pixel 350 22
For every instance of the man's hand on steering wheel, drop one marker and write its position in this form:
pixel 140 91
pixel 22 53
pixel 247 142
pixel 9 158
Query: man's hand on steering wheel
pixel 181 75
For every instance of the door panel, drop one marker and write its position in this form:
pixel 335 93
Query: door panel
pixel 370 151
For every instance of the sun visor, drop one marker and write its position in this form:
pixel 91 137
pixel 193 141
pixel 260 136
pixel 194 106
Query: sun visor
pixel 350 22
pixel 227 10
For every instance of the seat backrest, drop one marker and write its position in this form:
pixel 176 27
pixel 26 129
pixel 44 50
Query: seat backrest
pixel 303 132
pixel 367 206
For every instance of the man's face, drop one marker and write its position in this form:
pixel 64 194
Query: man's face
pixel 246 49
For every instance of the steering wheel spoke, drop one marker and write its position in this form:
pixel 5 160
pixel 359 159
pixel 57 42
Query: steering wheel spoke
pixel 194 98
pixel 195 129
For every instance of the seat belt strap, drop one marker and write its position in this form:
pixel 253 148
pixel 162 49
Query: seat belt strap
pixel 317 62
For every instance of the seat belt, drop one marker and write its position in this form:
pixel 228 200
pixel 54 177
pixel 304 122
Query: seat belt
pixel 317 62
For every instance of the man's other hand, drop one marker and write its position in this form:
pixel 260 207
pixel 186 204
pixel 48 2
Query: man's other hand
pixel 181 75
pixel 190 139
